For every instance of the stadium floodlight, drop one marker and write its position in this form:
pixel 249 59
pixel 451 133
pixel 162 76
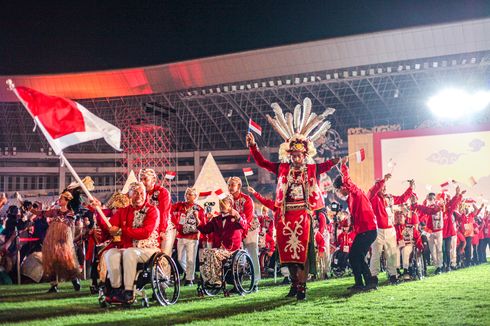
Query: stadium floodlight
pixel 455 103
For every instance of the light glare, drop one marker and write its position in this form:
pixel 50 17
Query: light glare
pixel 454 103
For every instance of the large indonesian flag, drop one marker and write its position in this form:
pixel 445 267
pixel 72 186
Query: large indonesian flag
pixel 65 122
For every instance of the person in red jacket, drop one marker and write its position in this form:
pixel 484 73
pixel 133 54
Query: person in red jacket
pixel 137 226
pixel 449 231
pixel 485 237
pixel 382 204
pixel 364 224
pixel 266 231
pixel 466 221
pixel 244 205
pixel 344 243
pixel 433 213
pixel 185 217
pixel 227 229
pixel 407 237
pixel 159 197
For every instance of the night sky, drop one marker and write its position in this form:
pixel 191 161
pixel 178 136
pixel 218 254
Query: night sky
pixel 40 38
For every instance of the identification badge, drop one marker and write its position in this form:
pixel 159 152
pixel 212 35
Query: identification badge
pixel 346 249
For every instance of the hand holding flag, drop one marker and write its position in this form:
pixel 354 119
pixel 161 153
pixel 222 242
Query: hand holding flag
pixel 254 126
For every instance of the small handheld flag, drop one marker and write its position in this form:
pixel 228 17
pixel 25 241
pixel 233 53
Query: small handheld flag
pixel 205 194
pixel 360 155
pixel 247 172
pixel 170 175
pixel 254 126
pixel 221 194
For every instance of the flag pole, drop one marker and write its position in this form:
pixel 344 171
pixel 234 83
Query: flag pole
pixel 84 188
pixel 246 181
pixel 62 157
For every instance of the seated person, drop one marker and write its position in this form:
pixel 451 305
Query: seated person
pixel 344 243
pixel 137 226
pixel 407 236
pixel 227 229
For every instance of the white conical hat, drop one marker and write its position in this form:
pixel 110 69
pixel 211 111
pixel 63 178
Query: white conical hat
pixel 129 181
pixel 210 179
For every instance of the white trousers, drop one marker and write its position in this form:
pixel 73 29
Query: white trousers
pixel 328 256
pixel 168 243
pixel 454 251
pixel 386 239
pixel 119 260
pixel 186 253
pixel 435 247
pixel 251 244
pixel 406 251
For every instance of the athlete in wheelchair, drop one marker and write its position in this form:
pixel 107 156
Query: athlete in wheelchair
pixel 225 263
pixel 135 260
pixel 340 258
pixel 411 249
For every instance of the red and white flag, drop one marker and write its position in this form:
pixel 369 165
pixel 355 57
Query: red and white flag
pixel 254 126
pixel 170 175
pixel 360 155
pixel 204 194
pixel 248 172
pixel 65 122
pixel 221 194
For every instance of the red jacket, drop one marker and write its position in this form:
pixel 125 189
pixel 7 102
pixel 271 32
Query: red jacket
pixel 434 218
pixel 361 212
pixel 345 240
pixel 449 228
pixel 320 242
pixel 267 231
pixel 313 196
pixel 227 231
pixel 124 218
pixel 244 205
pixel 408 234
pixel 466 222
pixel 379 203
pixel 486 226
pixel 160 197
pixel 179 214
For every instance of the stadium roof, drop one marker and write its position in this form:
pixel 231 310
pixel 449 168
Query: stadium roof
pixel 371 79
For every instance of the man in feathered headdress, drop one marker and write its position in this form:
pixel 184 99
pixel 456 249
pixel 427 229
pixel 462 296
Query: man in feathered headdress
pixel 297 194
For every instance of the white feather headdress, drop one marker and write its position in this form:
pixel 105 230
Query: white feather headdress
pixel 301 126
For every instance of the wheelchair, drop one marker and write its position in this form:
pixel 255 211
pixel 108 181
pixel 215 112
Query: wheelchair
pixel 237 270
pixel 418 268
pixel 160 272
pixel 340 266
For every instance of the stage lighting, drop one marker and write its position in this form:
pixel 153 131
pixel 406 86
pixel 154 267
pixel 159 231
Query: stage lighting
pixel 454 103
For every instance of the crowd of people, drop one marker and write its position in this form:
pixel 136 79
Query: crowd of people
pixel 295 230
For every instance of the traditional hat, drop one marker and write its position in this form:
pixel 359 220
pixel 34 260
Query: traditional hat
pixel 297 129
pixel 118 200
pixel 87 181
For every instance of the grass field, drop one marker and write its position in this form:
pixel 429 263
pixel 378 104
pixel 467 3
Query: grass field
pixel 457 298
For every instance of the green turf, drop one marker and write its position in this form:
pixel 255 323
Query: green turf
pixel 457 298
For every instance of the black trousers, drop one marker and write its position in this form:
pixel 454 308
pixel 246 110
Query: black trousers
pixel 446 253
pixel 467 251
pixel 357 256
pixel 482 249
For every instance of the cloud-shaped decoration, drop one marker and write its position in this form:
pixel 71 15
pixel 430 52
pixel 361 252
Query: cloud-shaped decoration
pixel 476 144
pixel 443 157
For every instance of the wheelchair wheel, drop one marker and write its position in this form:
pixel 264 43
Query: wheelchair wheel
pixel 264 260
pixel 420 265
pixel 243 272
pixel 165 280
